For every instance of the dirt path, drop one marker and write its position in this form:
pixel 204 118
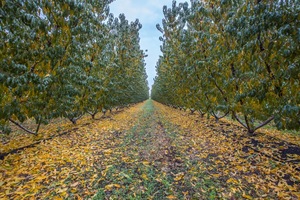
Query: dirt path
pixel 151 151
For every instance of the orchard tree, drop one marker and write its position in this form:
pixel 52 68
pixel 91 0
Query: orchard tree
pixel 238 57
pixel 55 58
pixel 266 55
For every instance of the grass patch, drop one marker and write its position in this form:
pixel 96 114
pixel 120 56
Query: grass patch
pixel 153 164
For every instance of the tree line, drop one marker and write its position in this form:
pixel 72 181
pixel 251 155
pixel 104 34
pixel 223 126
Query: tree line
pixel 65 59
pixel 232 57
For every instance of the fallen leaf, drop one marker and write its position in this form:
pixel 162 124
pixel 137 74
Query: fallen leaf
pixel 111 186
pixel 179 176
pixel 75 184
pixel 144 176
pixel 171 197
pixel 246 196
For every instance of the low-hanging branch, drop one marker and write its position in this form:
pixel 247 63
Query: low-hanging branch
pixel 25 129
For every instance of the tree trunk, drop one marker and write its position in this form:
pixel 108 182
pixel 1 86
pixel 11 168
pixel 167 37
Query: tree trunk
pixel 93 114
pixel 251 130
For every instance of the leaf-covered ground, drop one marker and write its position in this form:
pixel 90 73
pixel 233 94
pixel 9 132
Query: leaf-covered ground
pixel 151 151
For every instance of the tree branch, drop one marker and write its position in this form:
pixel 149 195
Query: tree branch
pixel 224 115
pixel 25 129
pixel 239 120
pixel 264 123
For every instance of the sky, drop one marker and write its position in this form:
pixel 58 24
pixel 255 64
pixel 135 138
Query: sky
pixel 149 13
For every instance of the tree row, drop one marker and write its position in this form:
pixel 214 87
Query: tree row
pixel 232 57
pixel 65 59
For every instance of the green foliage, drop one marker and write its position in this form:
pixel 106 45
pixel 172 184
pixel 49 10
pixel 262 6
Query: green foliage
pixel 58 59
pixel 239 57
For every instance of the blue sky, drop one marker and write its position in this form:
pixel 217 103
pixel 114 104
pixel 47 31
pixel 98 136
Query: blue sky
pixel 149 12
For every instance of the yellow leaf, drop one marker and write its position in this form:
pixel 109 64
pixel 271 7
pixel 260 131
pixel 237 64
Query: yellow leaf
pixel 58 198
pixel 179 176
pixel 246 196
pixel 158 180
pixel 20 192
pixel 74 184
pixel 78 197
pixel 125 175
pixel 145 163
pixel 216 175
pixel 73 190
pixel 111 186
pixel 232 180
pixel 107 151
pixel 144 176
pixel 126 159
pixel 171 197
pixel 62 190
pixel 39 178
